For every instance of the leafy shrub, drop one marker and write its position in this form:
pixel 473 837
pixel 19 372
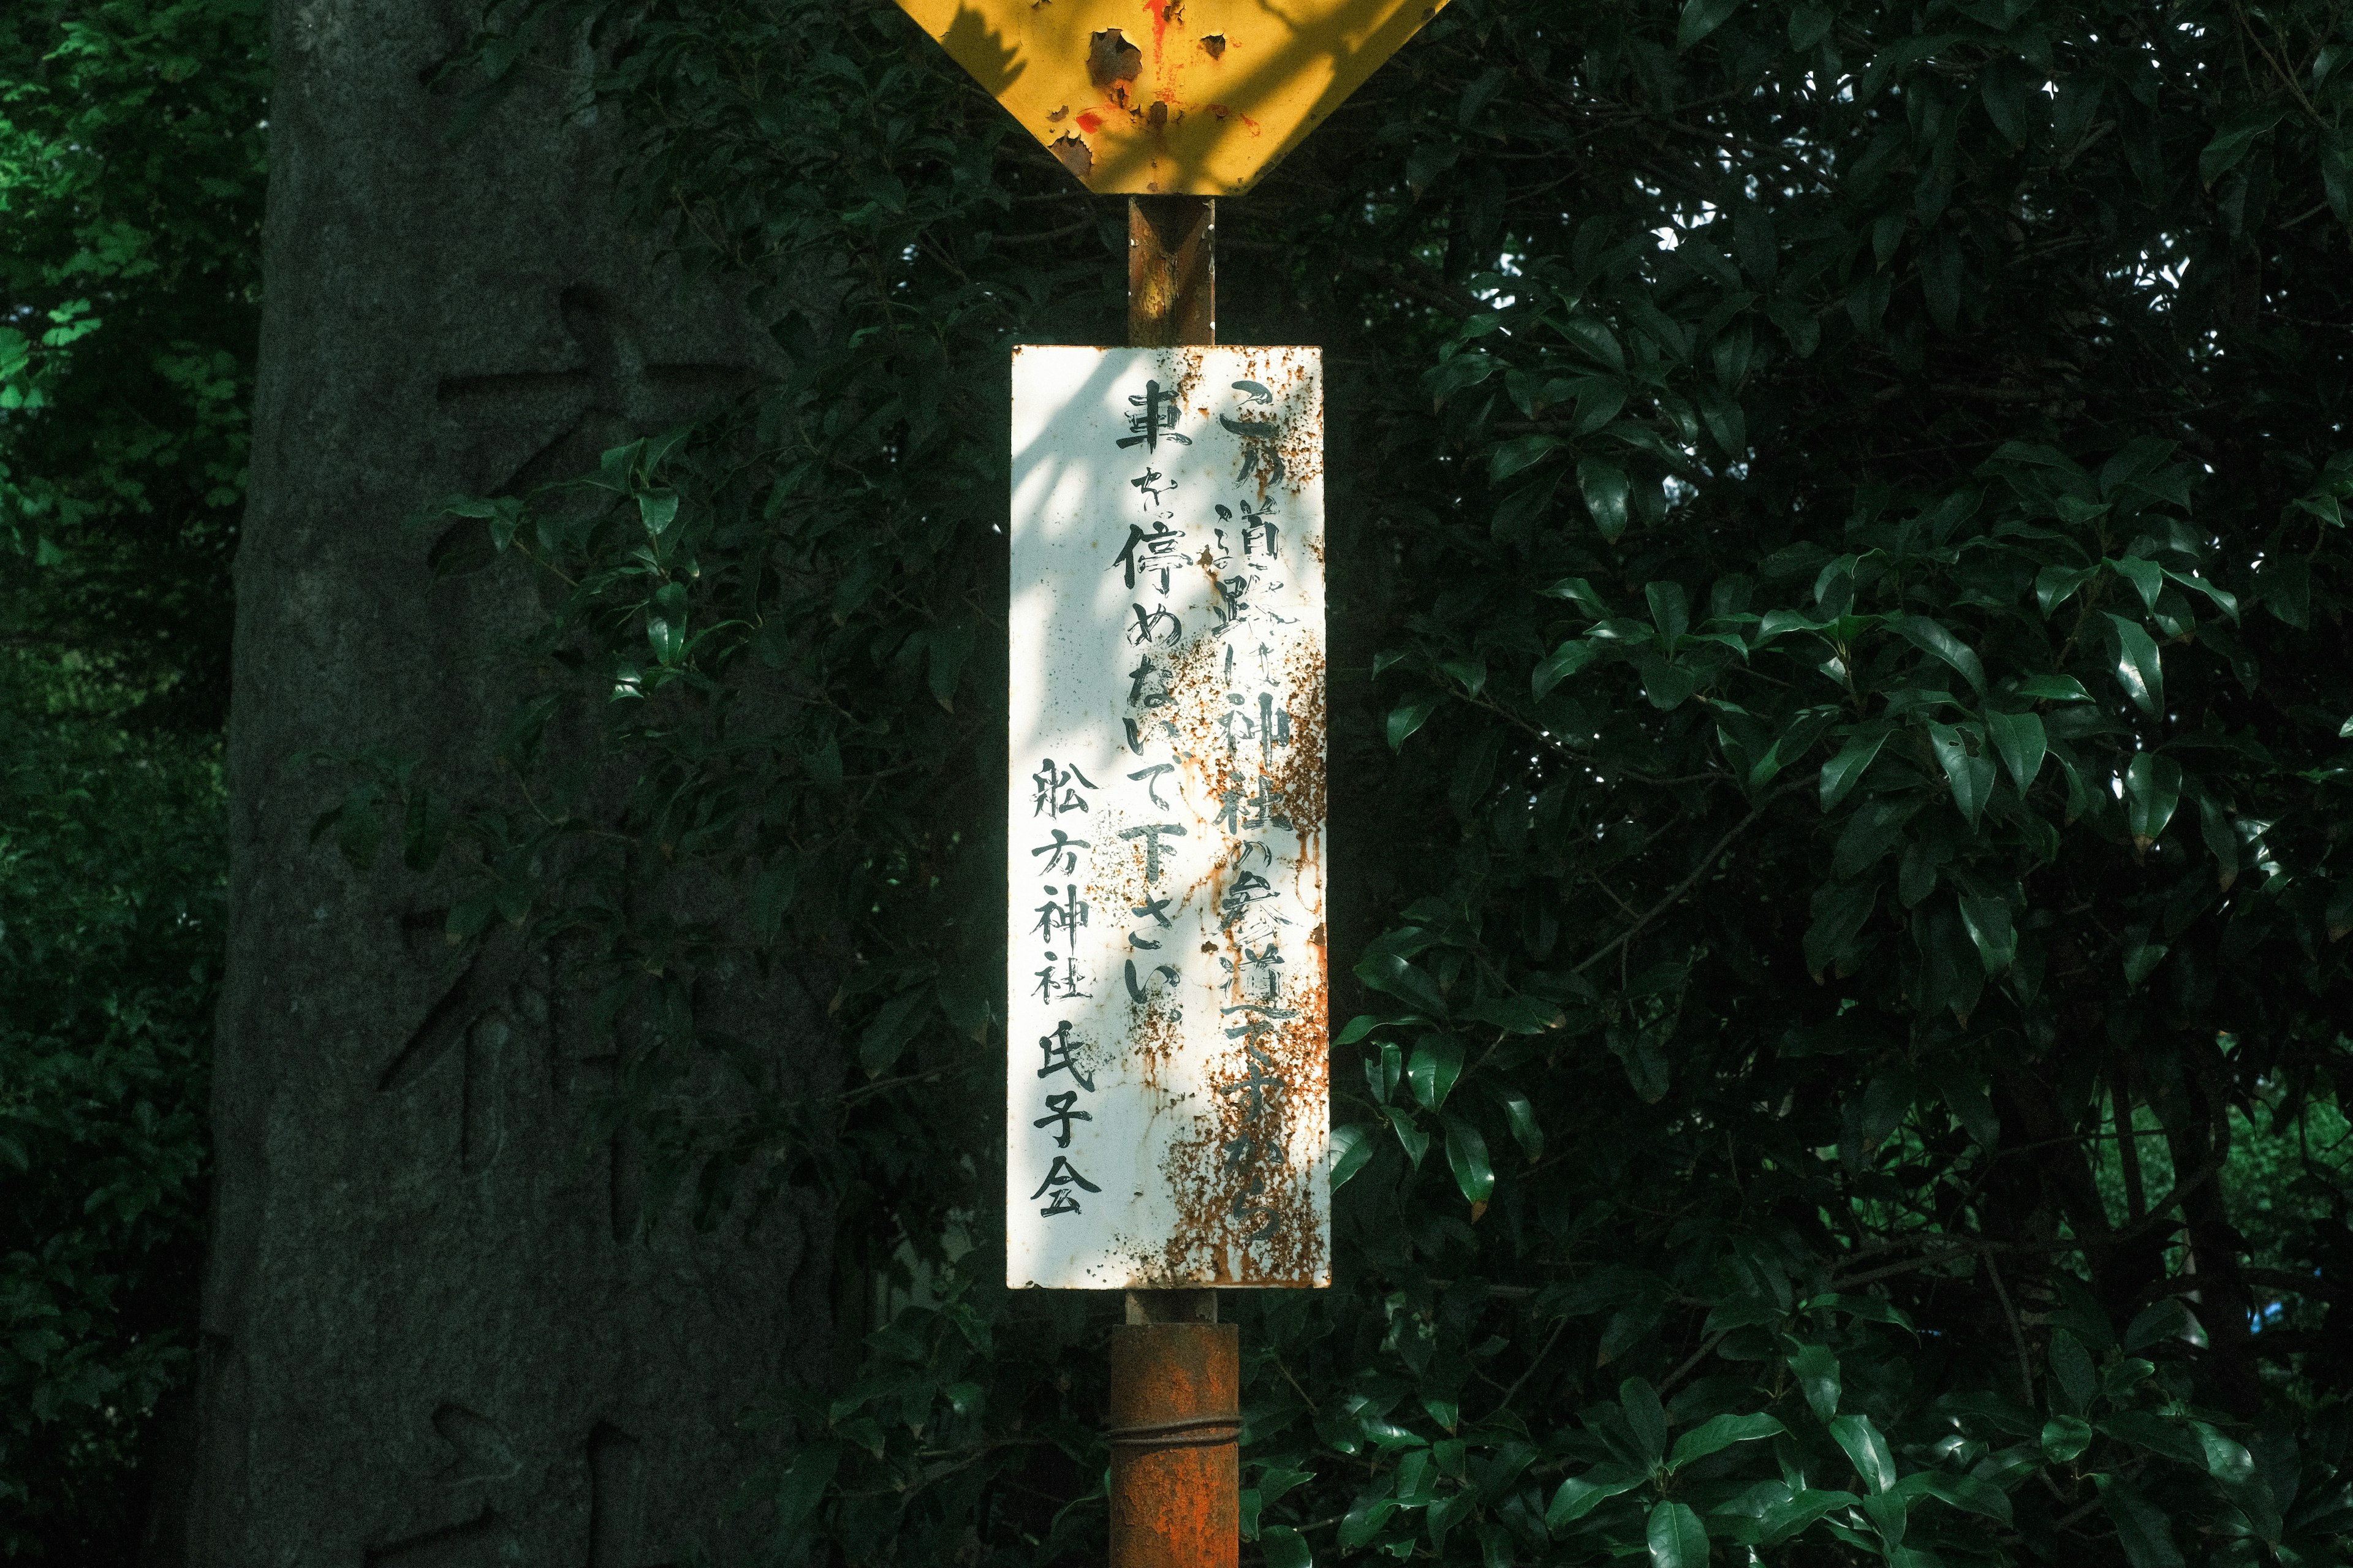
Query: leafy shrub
pixel 111 872
pixel 1840 742
pixel 130 184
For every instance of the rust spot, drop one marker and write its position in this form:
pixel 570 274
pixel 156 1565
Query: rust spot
pixel 1157 116
pixel 1059 115
pixel 1075 155
pixel 1251 1218
pixel 1175 1415
pixel 1111 58
pixel 1214 46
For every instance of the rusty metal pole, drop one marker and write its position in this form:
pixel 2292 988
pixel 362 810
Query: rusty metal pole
pixel 1176 1371
pixel 1172 271
pixel 1176 1425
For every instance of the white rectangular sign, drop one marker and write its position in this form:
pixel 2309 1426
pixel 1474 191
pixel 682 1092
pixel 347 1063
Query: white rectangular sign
pixel 1167 1108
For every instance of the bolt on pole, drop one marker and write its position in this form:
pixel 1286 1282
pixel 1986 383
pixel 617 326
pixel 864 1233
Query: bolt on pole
pixel 1176 1371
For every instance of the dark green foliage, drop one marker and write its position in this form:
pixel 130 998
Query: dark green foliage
pixel 130 183
pixel 1840 745
pixel 110 858
pixel 130 202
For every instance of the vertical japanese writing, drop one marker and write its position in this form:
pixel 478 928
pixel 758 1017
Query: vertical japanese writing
pixel 1166 913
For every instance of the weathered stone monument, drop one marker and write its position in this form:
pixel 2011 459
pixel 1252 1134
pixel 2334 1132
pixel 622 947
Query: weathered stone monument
pixel 432 1333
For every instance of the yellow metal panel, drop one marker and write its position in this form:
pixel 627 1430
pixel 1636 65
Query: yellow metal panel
pixel 1170 96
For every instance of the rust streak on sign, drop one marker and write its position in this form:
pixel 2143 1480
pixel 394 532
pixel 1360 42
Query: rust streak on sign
pixel 1170 96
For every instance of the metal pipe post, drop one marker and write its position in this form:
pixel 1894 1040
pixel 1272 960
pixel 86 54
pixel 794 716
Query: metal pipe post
pixel 1176 1371
pixel 1175 1426
pixel 1172 271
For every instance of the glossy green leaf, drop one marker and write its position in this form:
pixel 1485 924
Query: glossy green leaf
pixel 1433 1069
pixel 1466 1156
pixel 801 1490
pixel 2226 1458
pixel 1890 1515
pixel 1670 608
pixel 1470 673
pixel 1525 1130
pixel 2064 1437
pixel 1606 491
pixel 1409 1136
pixel 1645 1416
pixel 1927 635
pixel 1520 454
pixel 2054 585
pixel 1970 776
pixel 2073 1378
pixel 1410 715
pixel 2020 740
pixel 1700 18
pixel 1581 594
pixel 1719 1433
pixel 1400 977
pixel 2147 577
pixel 1969 1104
pixel 1844 771
pixel 1665 684
pixel 1560 664
pixel 1526 1014
pixel 1352 1151
pixel 1966 1492
pixel 2223 153
pixel 1866 1448
pixel 945 652
pixel 772 895
pixel 1784 1520
pixel 2152 790
pixel 657 510
pixel 1284 1547
pixel 2139 669
pixel 2222 600
pixel 1987 921
pixel 1816 1369
pixel 1676 1537
pixel 2142 953
pixel 2054 689
pixel 2162 1322
pixel 1580 1495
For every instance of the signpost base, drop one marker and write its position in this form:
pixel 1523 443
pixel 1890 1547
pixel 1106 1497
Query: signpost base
pixel 1176 1426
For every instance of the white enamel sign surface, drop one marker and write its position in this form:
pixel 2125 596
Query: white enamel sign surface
pixel 1167 1111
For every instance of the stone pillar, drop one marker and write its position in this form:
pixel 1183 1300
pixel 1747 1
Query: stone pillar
pixel 431 1333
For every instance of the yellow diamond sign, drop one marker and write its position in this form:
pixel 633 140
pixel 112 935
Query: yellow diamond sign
pixel 1170 96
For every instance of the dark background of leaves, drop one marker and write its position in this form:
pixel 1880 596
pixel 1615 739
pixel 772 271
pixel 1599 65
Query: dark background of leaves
pixel 1838 769
pixel 131 189
pixel 1841 856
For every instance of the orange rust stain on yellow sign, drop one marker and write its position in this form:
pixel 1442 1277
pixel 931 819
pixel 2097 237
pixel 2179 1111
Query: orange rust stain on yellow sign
pixel 1170 96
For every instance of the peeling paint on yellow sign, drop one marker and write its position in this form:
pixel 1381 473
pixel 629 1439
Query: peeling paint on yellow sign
pixel 1170 96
